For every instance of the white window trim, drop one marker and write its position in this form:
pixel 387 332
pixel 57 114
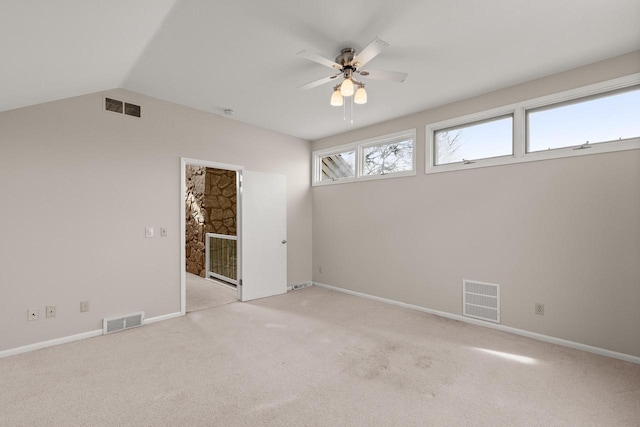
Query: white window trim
pixel 358 147
pixel 316 160
pixel 519 129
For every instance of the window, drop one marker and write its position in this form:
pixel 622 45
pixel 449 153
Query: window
pixel 599 118
pixel 612 117
pixel 390 157
pixel 338 166
pixel 469 142
pixel 386 156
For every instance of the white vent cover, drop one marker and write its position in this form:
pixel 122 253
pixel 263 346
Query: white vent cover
pixel 481 300
pixel 300 286
pixel 115 324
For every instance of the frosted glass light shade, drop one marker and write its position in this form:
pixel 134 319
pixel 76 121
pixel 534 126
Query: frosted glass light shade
pixel 346 88
pixel 336 98
pixel 361 96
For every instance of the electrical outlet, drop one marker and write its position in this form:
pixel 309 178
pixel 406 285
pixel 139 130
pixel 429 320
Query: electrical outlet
pixel 84 306
pixel 33 314
pixel 51 311
pixel 540 309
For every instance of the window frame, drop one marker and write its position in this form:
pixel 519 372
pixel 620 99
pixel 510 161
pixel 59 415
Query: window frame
pixel 474 123
pixel 520 132
pixel 358 147
pixel 575 101
pixel 334 152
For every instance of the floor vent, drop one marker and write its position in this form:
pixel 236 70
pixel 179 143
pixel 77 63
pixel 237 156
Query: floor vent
pixel 115 324
pixel 300 286
pixel 481 300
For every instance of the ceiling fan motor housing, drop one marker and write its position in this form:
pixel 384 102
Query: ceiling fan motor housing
pixel 346 57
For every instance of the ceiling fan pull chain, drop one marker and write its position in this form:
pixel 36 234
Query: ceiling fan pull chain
pixel 351 106
pixel 344 111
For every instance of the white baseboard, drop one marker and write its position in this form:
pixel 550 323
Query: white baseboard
pixel 161 318
pixel 521 332
pixel 71 338
pixel 50 343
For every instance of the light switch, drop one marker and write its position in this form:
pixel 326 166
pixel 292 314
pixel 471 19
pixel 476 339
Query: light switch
pixel 148 232
pixel 163 231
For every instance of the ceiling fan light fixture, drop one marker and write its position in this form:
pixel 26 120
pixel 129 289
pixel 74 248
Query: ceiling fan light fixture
pixel 348 64
pixel 336 98
pixel 361 95
pixel 346 88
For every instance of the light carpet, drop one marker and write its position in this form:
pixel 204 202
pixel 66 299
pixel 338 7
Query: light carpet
pixel 316 357
pixel 203 293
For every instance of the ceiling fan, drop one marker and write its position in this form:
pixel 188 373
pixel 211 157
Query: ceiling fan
pixel 348 64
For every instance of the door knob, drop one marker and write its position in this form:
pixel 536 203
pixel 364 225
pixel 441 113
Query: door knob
pixel 284 242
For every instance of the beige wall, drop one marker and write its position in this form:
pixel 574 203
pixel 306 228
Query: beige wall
pixel 78 185
pixel 562 232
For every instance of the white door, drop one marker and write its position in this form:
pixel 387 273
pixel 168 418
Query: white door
pixel 264 235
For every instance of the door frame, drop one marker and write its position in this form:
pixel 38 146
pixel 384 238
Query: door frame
pixel 184 161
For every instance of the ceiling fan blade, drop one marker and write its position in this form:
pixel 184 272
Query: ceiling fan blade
pixel 318 82
pixel 319 59
pixel 371 51
pixel 390 76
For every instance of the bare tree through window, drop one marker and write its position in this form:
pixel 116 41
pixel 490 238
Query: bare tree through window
pixel 448 144
pixel 388 158
pixel 482 139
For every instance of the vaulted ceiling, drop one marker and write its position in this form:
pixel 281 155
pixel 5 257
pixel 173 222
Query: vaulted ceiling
pixel 241 54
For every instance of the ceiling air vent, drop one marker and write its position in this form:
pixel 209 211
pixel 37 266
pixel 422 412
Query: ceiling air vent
pixel 481 300
pixel 120 323
pixel 121 107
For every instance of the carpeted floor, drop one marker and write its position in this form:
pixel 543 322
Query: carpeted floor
pixel 203 293
pixel 315 357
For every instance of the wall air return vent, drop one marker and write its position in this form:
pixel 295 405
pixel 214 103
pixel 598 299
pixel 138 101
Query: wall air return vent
pixel 121 107
pixel 481 300
pixel 120 323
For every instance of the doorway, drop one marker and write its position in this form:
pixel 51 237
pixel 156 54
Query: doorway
pixel 261 230
pixel 210 222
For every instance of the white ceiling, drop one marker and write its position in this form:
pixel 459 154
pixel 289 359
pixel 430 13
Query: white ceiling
pixel 241 54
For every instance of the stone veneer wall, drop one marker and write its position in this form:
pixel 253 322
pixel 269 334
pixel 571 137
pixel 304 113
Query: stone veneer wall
pixel 195 219
pixel 220 201
pixel 210 208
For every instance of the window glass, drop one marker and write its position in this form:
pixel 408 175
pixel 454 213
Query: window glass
pixel 388 158
pixel 338 166
pixel 385 156
pixel 480 140
pixel 597 119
